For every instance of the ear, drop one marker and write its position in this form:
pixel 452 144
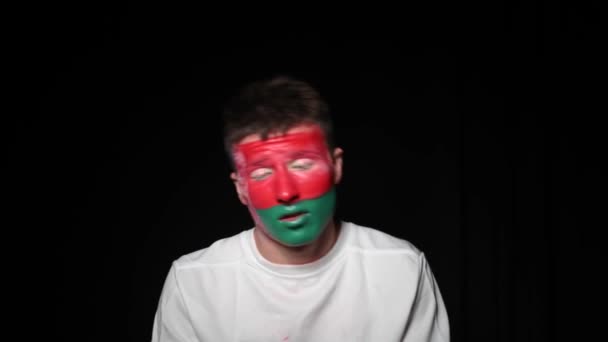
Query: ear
pixel 337 156
pixel 240 188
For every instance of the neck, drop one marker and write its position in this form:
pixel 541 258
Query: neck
pixel 278 253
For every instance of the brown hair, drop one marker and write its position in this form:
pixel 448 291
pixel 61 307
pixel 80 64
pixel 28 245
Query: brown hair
pixel 274 106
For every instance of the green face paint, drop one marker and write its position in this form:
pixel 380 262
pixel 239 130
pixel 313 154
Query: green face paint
pixel 306 227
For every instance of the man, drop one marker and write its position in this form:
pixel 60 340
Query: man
pixel 299 274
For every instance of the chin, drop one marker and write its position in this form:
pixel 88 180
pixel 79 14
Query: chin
pixel 285 244
pixel 296 245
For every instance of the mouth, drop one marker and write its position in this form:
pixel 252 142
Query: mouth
pixel 292 216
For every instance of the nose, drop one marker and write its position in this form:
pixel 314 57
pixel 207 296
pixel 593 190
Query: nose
pixel 286 190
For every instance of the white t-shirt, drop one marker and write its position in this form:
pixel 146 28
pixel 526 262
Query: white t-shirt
pixel 370 287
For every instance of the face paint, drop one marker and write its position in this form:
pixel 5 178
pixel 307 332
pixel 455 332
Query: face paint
pixel 288 182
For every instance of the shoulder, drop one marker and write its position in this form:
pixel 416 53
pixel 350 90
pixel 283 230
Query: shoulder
pixel 391 264
pixel 382 251
pixel 371 240
pixel 222 252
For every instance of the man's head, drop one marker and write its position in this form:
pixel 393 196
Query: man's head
pixel 278 135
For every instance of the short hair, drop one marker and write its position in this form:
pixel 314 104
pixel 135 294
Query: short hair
pixel 274 106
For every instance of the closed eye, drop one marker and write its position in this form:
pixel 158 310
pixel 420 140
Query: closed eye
pixel 301 164
pixel 260 173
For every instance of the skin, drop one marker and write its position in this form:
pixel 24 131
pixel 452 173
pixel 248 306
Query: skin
pixel 288 184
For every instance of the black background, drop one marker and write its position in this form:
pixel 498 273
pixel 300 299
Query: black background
pixel 470 130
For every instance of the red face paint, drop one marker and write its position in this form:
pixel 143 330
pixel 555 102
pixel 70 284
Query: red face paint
pixel 285 169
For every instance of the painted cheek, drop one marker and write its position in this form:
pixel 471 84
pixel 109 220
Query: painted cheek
pixel 262 194
pixel 285 186
pixel 314 183
pixel 277 189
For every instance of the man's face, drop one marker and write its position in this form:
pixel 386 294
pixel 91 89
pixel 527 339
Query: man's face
pixel 287 182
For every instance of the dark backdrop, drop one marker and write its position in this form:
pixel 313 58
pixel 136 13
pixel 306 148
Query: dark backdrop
pixel 469 131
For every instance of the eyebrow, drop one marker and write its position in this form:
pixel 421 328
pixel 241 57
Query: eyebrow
pixel 306 153
pixel 264 161
pixel 260 162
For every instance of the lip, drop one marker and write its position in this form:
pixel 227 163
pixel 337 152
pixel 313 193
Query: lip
pixel 291 217
pixel 298 219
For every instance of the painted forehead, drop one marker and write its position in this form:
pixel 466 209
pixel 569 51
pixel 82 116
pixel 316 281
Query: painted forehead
pixel 312 141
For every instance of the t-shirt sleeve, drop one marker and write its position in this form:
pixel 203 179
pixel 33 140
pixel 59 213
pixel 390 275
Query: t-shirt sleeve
pixel 172 322
pixel 428 319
